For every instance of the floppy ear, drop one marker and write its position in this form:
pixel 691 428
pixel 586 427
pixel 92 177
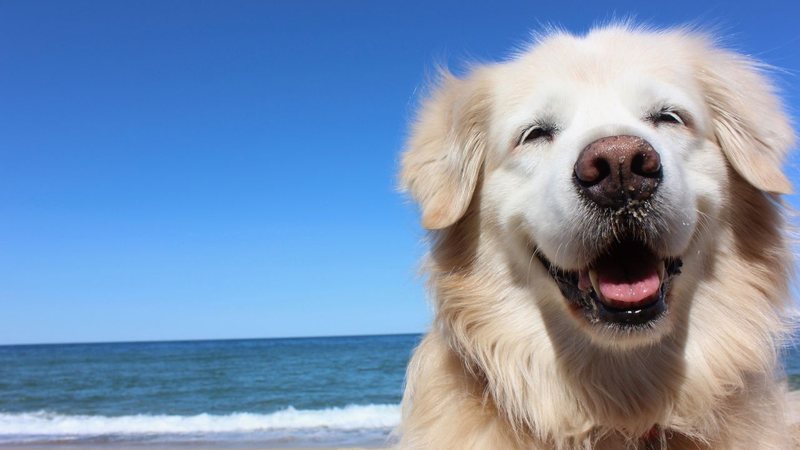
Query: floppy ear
pixel 748 119
pixel 444 155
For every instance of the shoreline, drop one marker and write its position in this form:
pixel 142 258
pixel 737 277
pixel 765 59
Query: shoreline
pixel 181 446
pixel 793 411
pixel 185 445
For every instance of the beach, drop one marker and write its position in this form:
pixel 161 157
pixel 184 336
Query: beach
pixel 175 447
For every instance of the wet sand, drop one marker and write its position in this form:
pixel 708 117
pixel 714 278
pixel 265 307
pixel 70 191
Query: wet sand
pixel 169 447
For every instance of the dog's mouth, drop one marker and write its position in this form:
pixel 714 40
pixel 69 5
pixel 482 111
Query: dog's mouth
pixel 626 285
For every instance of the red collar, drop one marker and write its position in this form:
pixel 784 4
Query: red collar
pixel 652 436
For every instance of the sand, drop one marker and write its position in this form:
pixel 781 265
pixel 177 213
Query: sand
pixel 166 447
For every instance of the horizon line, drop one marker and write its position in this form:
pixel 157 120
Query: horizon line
pixel 160 341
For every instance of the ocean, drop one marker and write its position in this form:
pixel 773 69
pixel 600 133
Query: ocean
pixel 305 392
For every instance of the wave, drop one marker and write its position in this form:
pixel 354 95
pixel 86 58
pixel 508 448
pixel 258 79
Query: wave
pixel 44 425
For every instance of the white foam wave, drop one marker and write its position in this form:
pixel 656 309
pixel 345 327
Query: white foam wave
pixel 354 417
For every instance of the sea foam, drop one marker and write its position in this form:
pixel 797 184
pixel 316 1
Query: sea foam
pixel 47 425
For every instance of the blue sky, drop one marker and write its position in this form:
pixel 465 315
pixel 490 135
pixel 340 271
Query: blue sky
pixel 221 169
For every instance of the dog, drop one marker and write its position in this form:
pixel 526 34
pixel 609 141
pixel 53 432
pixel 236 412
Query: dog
pixel 609 259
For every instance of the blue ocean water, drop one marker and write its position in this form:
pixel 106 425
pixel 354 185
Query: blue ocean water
pixel 268 392
pixel 307 391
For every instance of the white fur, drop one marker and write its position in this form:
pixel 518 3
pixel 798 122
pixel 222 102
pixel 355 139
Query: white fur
pixel 506 364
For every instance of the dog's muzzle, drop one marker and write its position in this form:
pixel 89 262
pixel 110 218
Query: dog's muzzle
pixel 627 282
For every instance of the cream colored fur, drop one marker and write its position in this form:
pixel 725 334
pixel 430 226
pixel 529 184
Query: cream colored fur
pixel 505 365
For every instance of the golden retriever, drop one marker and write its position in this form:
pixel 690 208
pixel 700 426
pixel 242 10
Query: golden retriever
pixel 608 260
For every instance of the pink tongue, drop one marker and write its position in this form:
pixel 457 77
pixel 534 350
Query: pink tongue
pixel 630 283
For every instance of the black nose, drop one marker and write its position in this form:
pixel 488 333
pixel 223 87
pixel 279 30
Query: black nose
pixel 614 170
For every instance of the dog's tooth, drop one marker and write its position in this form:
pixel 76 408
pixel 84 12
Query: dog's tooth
pixel 595 283
pixel 661 270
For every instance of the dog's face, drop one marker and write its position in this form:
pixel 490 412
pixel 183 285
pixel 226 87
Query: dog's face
pixel 598 161
pixel 606 164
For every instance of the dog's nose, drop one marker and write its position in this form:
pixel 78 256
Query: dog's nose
pixel 614 170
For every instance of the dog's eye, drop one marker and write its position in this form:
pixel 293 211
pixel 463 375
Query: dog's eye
pixel 536 133
pixel 667 116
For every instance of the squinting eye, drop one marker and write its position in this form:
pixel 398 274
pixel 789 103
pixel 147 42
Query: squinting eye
pixel 667 116
pixel 536 133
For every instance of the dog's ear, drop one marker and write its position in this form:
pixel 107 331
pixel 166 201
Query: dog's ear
pixel 748 119
pixel 444 155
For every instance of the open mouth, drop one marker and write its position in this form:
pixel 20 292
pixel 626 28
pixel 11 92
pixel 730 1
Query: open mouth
pixel 627 285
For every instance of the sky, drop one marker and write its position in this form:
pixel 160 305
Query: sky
pixel 227 169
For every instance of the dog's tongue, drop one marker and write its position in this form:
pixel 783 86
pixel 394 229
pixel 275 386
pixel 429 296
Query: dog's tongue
pixel 630 284
pixel 628 277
